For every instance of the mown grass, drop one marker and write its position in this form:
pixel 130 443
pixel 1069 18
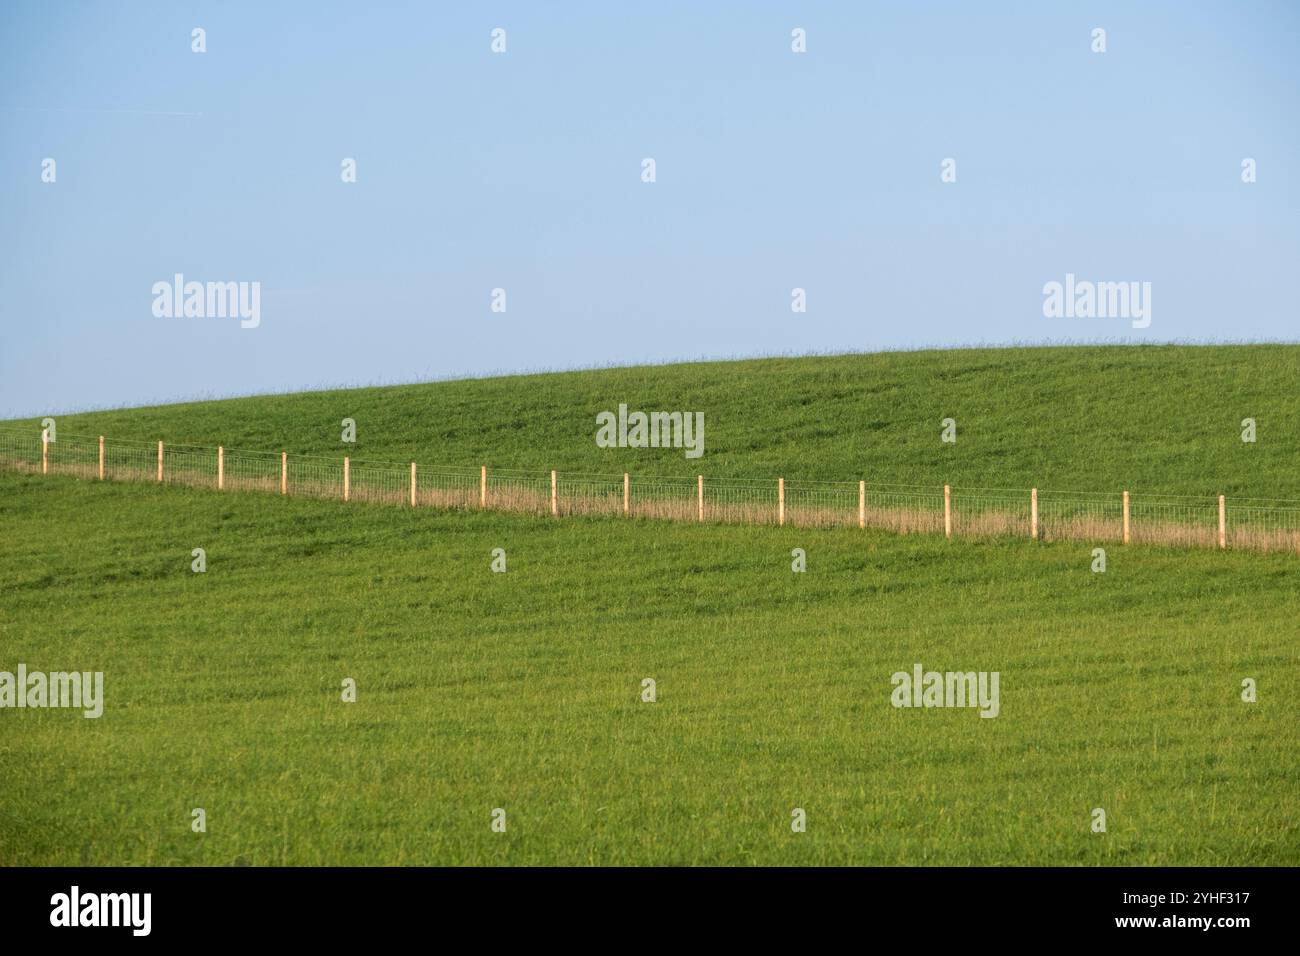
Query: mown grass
pixel 1149 419
pixel 521 690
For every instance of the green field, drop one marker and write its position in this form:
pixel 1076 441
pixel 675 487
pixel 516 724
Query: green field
pixel 1147 418
pixel 521 690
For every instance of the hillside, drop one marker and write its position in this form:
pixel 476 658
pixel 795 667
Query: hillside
pixel 1096 418
pixel 521 690
pixel 1120 689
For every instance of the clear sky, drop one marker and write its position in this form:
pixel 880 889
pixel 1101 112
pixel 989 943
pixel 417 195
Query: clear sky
pixel 523 171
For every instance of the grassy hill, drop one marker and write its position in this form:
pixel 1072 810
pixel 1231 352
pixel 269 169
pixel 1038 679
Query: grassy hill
pixel 477 690
pixel 1150 418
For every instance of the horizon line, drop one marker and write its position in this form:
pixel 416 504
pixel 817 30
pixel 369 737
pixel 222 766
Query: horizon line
pixel 491 374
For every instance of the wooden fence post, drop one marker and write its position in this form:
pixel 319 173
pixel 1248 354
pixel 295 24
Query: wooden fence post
pixel 482 488
pixel 700 480
pixel 45 452
pixel 947 511
pixel 780 501
pixel 862 504
pixel 160 460
pixel 1126 517
pixel 347 478
pixel 412 484
pixel 1033 513
pixel 221 467
pixel 284 472
pixel 101 457
pixel 555 507
pixel 627 493
pixel 1223 524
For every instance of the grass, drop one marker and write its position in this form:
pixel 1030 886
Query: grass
pixel 521 690
pixel 1153 419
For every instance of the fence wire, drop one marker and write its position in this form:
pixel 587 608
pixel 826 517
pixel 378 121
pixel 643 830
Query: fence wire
pixel 1166 520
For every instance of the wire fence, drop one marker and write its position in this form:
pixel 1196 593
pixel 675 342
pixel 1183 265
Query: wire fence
pixel 1120 517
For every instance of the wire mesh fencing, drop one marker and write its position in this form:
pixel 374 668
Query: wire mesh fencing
pixel 523 492
pixel 663 498
pixel 821 504
pixel 992 512
pixel 1079 515
pixel 590 494
pixel 1174 521
pixel 734 501
pixel 451 488
pixel 378 482
pixel 75 457
pixel 184 465
pixel 1263 524
pixel 249 471
pixel 903 509
pixel 1257 524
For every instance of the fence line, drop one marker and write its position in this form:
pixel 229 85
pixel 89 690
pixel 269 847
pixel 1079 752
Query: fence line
pixel 1035 513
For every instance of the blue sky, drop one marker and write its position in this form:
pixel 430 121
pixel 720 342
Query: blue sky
pixel 522 171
